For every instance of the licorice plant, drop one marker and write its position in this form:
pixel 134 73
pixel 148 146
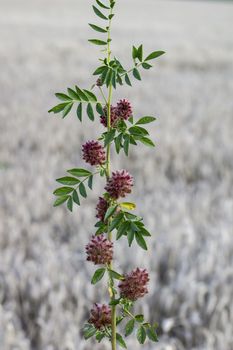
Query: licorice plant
pixel 115 217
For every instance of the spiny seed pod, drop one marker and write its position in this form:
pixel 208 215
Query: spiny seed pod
pixel 100 316
pixel 124 109
pixel 120 184
pixel 101 208
pixel 99 250
pixel 114 117
pixel 134 284
pixel 93 153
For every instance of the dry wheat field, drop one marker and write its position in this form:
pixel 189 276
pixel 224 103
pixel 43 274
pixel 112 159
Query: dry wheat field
pixel 183 187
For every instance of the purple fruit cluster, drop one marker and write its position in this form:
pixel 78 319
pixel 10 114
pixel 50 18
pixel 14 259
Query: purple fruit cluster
pixel 122 111
pixel 134 284
pixel 93 153
pixel 120 184
pixel 100 316
pixel 99 250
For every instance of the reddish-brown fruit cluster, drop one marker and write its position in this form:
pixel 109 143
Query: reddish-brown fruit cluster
pixel 120 184
pixel 99 250
pixel 114 117
pixel 134 284
pixel 100 316
pixel 124 109
pixel 101 208
pixel 93 153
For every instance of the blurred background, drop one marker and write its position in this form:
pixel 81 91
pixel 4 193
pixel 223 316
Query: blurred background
pixel 183 187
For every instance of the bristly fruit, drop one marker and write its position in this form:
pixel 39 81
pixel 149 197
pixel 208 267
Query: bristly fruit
pixel 100 316
pixel 99 250
pixel 134 284
pixel 94 153
pixel 120 184
pixel 124 109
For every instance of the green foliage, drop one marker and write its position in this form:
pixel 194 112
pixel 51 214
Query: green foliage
pixel 109 213
pixel 121 341
pixel 79 97
pixel 100 335
pixel 99 13
pixel 98 275
pixel 115 275
pixel 88 331
pixel 102 5
pixel 139 318
pixel 136 74
pixel 129 327
pixel 79 172
pixel 69 194
pixel 97 28
pixel 145 120
pixel 131 226
pixel 125 135
pixel 141 335
pixel 68 180
pixel 97 42
pixel 151 333
pixel 154 55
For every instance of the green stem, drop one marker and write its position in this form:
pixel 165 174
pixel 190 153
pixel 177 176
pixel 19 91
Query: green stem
pixel 129 314
pixel 130 70
pixel 101 91
pixel 108 169
pixel 92 174
pixel 108 172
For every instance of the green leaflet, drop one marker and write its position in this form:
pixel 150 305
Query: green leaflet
pixel 88 331
pixel 110 211
pixel 141 335
pixel 90 112
pixel 136 74
pixel 60 200
pixel 99 13
pixel 79 111
pixel 97 28
pixel 154 55
pixel 70 204
pixel 97 42
pixel 82 190
pixel 98 275
pixel 129 327
pixel 121 341
pixel 102 5
pixel 63 97
pixel 79 172
pixel 76 197
pixel 68 180
pixel 62 191
pixel 145 120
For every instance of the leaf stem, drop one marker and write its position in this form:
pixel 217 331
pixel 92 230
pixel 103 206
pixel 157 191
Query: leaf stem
pixel 129 314
pixel 101 91
pixel 130 70
pixel 87 177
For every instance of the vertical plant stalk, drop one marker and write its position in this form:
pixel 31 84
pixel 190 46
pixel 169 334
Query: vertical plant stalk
pixel 108 172
pixel 113 216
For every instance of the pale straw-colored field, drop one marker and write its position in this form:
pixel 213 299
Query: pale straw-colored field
pixel 183 187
